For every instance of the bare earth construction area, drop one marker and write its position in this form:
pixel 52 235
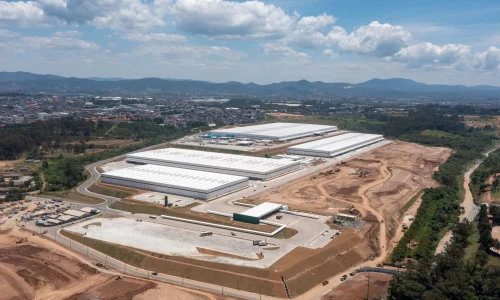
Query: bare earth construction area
pixel 383 180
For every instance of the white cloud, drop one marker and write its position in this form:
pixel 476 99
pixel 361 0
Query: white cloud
pixel 315 23
pixel 231 20
pixel 329 53
pixel 185 51
pixel 50 43
pixel 5 33
pixel 488 60
pixel 68 33
pixel 20 13
pixel 429 54
pixel 274 49
pixel 154 37
pixel 376 39
pixel 306 34
pixel 113 14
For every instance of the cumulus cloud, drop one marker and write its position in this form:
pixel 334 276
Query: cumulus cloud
pixel 231 20
pixel 376 39
pixel 315 23
pixel 329 53
pixel 114 14
pixel 429 54
pixel 184 51
pixel 274 49
pixel 56 43
pixel 21 13
pixel 68 33
pixel 488 60
pixel 154 37
pixel 307 32
pixel 5 33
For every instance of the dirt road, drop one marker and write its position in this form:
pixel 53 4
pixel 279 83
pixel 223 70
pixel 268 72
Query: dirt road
pixel 470 209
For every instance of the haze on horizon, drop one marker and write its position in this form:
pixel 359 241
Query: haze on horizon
pixel 449 42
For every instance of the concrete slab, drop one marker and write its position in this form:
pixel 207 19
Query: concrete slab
pixel 171 240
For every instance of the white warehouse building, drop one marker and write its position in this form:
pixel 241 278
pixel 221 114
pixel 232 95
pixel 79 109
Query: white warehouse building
pixel 335 145
pixel 175 181
pixel 273 131
pixel 247 166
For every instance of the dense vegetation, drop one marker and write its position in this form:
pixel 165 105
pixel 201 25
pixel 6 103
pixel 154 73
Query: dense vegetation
pixel 449 275
pixel 440 206
pixel 73 135
pixel 490 166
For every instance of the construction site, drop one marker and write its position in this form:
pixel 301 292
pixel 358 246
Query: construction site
pixel 285 235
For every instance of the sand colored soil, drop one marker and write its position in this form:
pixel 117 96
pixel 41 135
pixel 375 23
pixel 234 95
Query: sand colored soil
pixel 356 288
pixel 286 116
pixel 379 182
pixel 40 269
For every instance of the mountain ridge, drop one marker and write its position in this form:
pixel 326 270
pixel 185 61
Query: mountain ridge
pixel 392 87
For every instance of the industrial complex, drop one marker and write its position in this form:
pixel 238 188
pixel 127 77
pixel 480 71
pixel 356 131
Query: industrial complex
pixel 334 146
pixel 176 181
pixel 274 131
pixel 252 167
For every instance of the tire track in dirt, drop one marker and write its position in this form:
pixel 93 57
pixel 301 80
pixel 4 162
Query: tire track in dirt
pixel 366 207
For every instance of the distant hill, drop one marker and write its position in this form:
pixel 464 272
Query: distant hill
pixel 25 76
pixel 395 87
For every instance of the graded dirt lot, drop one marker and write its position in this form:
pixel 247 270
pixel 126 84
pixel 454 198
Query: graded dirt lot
pixel 36 268
pixel 287 116
pixel 356 288
pixel 379 182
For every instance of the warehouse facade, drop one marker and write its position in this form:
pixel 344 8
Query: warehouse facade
pixel 256 213
pixel 175 181
pixel 246 166
pixel 273 131
pixel 336 145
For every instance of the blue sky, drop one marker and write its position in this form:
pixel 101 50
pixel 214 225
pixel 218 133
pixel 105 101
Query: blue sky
pixel 445 42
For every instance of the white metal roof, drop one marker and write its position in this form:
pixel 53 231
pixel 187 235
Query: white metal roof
pixel 336 143
pixel 241 163
pixel 176 177
pixel 65 218
pixel 262 209
pixel 74 213
pixel 276 130
pixel 88 209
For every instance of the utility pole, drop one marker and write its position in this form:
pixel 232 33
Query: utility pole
pixel 368 288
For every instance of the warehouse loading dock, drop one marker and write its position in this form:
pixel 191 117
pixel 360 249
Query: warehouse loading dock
pixel 253 167
pixel 274 131
pixel 337 145
pixel 175 181
pixel 256 213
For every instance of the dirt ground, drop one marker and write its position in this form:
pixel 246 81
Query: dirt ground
pixel 36 268
pixel 356 288
pixel 379 182
pixel 287 116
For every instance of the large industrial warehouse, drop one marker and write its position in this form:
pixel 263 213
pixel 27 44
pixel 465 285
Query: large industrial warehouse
pixel 335 145
pixel 175 181
pixel 274 131
pixel 253 167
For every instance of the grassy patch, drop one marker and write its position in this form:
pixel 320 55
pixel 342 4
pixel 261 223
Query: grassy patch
pixel 73 196
pixel 471 250
pixel 407 206
pixel 107 190
pixel 440 134
pixel 286 233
